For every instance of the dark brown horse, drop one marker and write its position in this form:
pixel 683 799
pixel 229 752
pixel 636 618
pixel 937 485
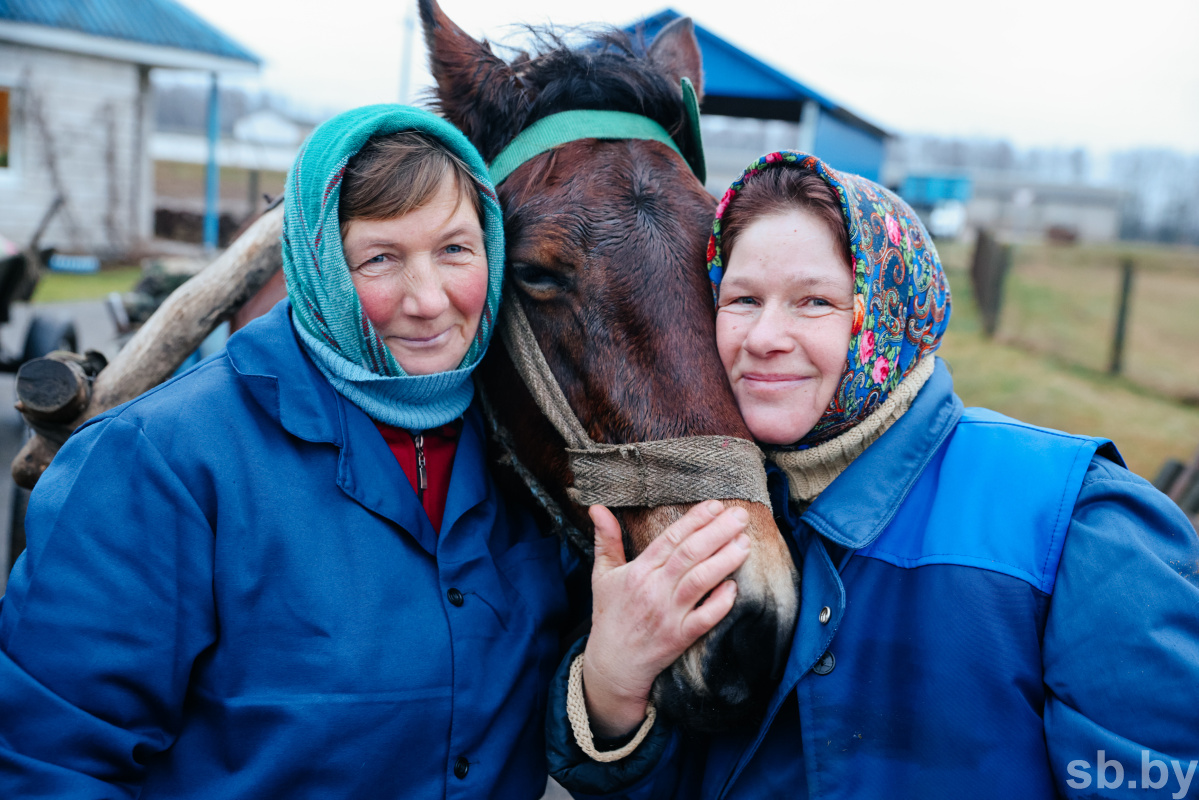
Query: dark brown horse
pixel 606 255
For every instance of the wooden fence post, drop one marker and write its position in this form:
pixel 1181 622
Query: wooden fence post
pixel 1117 361
pixel 988 271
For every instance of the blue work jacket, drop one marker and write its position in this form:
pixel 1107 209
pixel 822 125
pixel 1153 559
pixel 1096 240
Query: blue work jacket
pixel 987 610
pixel 231 591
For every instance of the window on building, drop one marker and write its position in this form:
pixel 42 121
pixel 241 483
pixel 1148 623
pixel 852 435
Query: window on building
pixel 5 94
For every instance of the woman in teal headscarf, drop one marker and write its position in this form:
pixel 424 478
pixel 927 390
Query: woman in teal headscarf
pixel 288 573
pixel 987 609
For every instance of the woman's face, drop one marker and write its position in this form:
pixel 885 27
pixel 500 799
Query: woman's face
pixel 422 279
pixel 783 323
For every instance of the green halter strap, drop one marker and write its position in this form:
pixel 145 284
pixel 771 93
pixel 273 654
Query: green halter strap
pixel 568 126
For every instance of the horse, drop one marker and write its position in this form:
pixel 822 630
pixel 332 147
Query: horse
pixel 606 253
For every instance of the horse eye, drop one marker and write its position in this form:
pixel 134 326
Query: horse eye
pixel 539 282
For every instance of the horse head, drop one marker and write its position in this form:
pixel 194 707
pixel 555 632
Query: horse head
pixel 606 257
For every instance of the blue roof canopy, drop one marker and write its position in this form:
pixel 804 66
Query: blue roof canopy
pixel 163 23
pixel 738 85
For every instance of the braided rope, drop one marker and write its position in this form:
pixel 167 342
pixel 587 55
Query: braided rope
pixel 576 712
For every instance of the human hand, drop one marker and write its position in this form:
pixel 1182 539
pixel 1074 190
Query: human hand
pixel 645 612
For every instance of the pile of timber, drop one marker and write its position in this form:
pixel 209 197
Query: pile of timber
pixel 1181 483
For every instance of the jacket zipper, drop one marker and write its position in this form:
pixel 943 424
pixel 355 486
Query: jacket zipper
pixel 422 479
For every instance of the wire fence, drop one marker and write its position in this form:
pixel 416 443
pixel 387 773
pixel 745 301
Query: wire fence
pixel 1065 301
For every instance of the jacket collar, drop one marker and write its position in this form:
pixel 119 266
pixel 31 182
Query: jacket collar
pixel 862 501
pixel 278 373
pixel 282 378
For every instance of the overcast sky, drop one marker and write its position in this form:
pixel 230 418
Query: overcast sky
pixel 1056 73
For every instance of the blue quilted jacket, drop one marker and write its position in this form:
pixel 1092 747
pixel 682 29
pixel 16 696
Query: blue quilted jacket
pixel 1011 614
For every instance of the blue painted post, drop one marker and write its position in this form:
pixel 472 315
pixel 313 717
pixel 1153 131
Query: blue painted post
pixel 213 176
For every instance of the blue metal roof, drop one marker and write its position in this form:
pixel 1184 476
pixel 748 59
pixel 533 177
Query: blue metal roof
pixel 165 23
pixel 732 73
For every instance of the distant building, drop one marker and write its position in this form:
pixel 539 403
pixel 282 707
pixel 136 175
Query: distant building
pixel 76 112
pixel 750 108
pixel 1024 209
pixel 255 152
pixel 940 199
pixel 1030 194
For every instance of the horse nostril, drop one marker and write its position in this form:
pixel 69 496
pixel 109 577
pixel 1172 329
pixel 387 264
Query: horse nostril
pixel 751 645
pixel 740 664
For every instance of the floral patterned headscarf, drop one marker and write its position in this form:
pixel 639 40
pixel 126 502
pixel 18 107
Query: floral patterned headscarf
pixel 901 296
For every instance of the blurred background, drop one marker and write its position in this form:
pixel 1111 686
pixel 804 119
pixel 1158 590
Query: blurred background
pixel 1051 147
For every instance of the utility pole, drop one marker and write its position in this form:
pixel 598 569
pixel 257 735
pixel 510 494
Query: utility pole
pixel 406 57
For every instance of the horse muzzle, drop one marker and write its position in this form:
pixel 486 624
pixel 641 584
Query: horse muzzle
pixel 726 679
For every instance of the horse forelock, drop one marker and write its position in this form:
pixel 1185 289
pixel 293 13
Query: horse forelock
pixel 611 72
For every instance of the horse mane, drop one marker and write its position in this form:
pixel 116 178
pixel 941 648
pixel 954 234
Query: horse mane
pixel 611 71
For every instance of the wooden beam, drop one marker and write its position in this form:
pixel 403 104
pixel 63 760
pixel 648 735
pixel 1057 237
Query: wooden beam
pixel 174 331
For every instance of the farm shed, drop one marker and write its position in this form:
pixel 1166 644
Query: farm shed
pixel 76 112
pixel 750 107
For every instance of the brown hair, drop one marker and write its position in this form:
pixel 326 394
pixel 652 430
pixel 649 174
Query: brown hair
pixel 397 173
pixel 777 190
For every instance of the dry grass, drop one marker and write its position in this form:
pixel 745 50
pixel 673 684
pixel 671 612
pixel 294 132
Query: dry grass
pixel 1063 301
pixel 1060 384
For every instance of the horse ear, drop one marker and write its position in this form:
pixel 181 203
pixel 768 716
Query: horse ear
pixel 676 51
pixel 474 85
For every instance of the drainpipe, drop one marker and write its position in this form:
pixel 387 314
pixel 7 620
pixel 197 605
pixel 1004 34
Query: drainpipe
pixel 809 118
pixel 211 228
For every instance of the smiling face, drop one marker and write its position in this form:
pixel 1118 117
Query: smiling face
pixel 422 279
pixel 783 323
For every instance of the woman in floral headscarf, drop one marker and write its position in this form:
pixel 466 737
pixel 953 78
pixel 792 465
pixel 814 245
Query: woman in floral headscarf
pixel 987 609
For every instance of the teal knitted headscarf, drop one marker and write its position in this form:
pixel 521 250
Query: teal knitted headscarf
pixel 325 307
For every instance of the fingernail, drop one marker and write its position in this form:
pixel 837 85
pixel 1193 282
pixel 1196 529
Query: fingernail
pixel 742 541
pixel 715 507
pixel 741 514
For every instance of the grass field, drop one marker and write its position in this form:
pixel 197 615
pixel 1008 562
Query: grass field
pixel 60 287
pixel 1063 301
pixel 1046 367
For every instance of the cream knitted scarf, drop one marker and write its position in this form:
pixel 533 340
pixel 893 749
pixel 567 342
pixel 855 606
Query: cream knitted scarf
pixel 809 472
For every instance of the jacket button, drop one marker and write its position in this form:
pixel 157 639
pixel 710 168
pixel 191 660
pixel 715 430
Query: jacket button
pixel 457 599
pixel 826 614
pixel 461 767
pixel 825 664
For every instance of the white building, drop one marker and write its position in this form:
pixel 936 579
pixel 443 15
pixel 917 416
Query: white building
pixel 1028 210
pixel 76 117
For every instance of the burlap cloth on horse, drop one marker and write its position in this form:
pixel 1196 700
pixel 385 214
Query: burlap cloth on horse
pixel 640 474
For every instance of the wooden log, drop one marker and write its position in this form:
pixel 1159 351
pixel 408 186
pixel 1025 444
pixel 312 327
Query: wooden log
pixel 56 388
pixel 32 460
pixel 174 331
pixel 1182 482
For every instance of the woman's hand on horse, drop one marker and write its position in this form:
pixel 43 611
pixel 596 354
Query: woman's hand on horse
pixel 647 612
